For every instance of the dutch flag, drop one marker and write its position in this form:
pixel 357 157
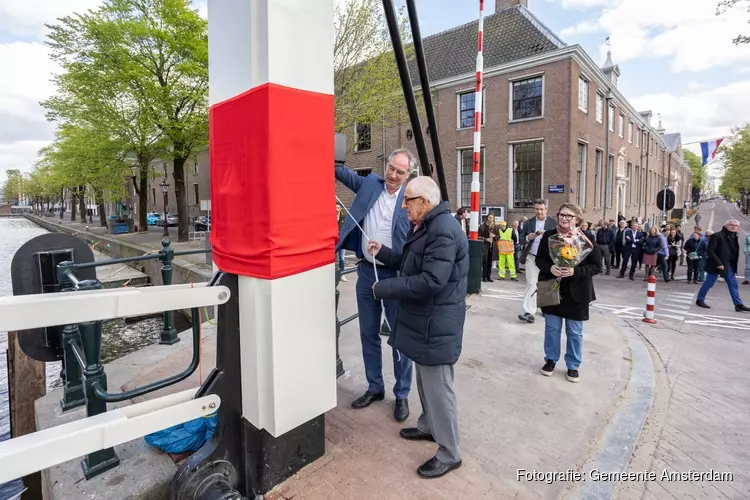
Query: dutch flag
pixel 709 148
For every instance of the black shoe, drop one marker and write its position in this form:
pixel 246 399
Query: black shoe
pixel 702 304
pixel 401 411
pixel 526 317
pixel 572 376
pixel 741 308
pixel 548 368
pixel 367 400
pixel 435 468
pixel 414 434
pixel 490 280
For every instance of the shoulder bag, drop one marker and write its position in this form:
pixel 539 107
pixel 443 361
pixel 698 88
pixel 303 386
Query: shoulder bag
pixel 547 293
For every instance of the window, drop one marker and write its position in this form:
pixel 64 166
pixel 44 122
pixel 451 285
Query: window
pixel 621 127
pixel 153 195
pixel 363 137
pixel 363 172
pixel 598 179
pixel 195 168
pixel 630 132
pixel 527 98
pixel 630 184
pixel 599 108
pixel 583 94
pixel 466 157
pixel 638 184
pixel 611 118
pixel 581 176
pixel 196 194
pixel 638 138
pixel 527 173
pixel 466 109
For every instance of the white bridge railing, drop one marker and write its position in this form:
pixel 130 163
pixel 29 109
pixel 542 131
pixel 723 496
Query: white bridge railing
pixel 31 453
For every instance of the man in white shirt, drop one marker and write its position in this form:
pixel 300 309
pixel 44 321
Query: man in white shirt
pixel 377 208
pixel 531 234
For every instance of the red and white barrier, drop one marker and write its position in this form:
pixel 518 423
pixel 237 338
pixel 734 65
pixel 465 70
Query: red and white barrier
pixel 650 300
pixel 271 152
pixel 478 96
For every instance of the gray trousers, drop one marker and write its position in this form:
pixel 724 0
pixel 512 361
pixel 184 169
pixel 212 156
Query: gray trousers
pixel 439 412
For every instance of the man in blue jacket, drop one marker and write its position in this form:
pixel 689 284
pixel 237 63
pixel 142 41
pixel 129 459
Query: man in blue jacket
pixel 431 289
pixel 377 208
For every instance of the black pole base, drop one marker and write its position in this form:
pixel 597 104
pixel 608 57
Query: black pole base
pixel 269 461
pixel 99 462
pixel 72 397
pixel 169 337
pixel 474 279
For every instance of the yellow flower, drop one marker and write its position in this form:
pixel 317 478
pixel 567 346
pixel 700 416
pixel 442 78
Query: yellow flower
pixel 568 253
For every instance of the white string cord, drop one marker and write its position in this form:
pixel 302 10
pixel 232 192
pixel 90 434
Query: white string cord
pixel 374 267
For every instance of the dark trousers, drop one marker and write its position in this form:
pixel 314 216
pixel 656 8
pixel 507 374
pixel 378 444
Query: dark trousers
pixel 640 257
pixel 616 257
pixel 629 254
pixel 370 319
pixel 604 249
pixel 662 263
pixel 487 262
pixel 672 265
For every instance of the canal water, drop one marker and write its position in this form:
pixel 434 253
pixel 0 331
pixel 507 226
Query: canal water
pixel 118 337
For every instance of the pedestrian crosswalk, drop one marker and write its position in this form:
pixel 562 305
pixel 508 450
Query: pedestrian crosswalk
pixel 675 305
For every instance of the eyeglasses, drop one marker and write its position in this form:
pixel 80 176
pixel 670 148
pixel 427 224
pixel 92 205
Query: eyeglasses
pixel 407 199
pixel 566 216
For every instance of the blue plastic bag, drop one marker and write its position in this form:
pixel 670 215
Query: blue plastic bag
pixel 189 436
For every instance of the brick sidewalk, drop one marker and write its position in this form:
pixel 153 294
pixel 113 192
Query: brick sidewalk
pixel 511 417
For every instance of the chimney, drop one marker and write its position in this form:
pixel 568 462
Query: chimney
pixel 507 4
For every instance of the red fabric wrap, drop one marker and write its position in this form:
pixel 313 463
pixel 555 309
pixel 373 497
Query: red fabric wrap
pixel 272 182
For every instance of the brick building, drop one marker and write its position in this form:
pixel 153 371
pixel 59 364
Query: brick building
pixel 551 117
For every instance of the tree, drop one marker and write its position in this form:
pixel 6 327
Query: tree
pixel 152 56
pixel 699 173
pixel 13 186
pixel 736 180
pixel 726 5
pixel 366 77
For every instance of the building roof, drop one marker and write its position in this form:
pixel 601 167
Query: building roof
pixel 673 141
pixel 509 35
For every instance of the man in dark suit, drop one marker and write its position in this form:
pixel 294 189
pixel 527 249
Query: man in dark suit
pixel 723 254
pixel 619 243
pixel 605 240
pixel 377 208
pixel 530 234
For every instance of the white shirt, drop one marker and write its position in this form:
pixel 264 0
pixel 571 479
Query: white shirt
pixel 535 243
pixel 379 222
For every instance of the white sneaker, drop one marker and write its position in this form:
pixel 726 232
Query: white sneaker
pixel 343 278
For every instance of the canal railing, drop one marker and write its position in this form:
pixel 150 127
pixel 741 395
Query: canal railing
pixel 84 376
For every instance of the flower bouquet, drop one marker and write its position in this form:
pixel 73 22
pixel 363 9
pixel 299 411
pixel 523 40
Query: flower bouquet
pixel 568 251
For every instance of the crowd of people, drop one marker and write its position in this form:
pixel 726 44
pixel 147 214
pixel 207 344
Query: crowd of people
pixel 413 265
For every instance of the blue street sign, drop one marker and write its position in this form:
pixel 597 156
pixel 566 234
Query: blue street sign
pixel 556 188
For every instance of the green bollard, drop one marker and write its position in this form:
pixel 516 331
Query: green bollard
pixel 166 255
pixel 73 396
pixel 93 375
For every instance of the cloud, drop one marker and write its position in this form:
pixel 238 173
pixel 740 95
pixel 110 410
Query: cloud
pixel 19 155
pixel 702 114
pixel 693 85
pixel 25 18
pixel 585 4
pixel 688 33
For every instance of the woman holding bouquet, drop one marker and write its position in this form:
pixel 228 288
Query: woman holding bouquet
pixel 572 263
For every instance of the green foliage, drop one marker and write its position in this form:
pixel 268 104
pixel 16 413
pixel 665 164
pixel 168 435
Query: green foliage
pixel 367 84
pixel 726 5
pixel 13 186
pixel 736 181
pixel 699 173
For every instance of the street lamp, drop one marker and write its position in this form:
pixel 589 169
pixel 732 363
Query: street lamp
pixel 165 189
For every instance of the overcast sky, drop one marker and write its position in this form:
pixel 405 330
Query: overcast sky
pixel 676 58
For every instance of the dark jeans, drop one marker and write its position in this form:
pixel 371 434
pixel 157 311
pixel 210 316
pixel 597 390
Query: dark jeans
pixel 487 262
pixel 692 266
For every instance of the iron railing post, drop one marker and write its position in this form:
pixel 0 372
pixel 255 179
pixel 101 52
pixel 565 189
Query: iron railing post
pixel 93 375
pixel 339 363
pixel 166 255
pixel 73 396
